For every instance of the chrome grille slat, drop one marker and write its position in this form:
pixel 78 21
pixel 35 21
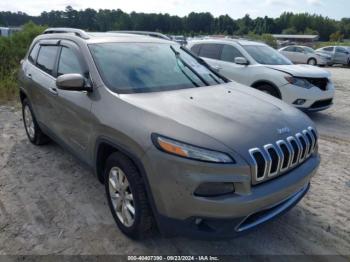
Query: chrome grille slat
pixel 291 154
pixel 267 147
pixel 255 166
pixel 307 134
pixel 301 138
pixel 289 140
pixel 314 136
pixel 272 157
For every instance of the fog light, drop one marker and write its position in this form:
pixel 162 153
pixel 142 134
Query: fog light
pixel 214 189
pixel 299 102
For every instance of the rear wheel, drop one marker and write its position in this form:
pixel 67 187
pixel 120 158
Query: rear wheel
pixel 268 90
pixel 34 133
pixel 312 61
pixel 127 197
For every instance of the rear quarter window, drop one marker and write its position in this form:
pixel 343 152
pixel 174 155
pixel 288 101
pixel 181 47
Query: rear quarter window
pixel 34 53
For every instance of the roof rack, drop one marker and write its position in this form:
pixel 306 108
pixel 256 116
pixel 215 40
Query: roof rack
pixel 145 33
pixel 78 32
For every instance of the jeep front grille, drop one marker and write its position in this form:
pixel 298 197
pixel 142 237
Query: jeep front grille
pixel 274 159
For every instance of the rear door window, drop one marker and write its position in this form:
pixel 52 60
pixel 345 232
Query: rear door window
pixel 212 51
pixel 229 53
pixel 289 49
pixel 46 58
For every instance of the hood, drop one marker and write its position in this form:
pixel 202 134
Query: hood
pixel 238 116
pixel 301 70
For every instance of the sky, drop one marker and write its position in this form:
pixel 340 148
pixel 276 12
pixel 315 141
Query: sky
pixel 336 9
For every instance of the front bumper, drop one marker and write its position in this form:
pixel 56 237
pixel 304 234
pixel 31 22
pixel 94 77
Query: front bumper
pixel 312 96
pixel 217 228
pixel 179 212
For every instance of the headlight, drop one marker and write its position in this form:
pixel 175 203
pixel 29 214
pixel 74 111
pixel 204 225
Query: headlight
pixel 298 82
pixel 188 151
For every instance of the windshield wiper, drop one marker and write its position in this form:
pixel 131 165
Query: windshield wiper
pixel 178 56
pixel 205 64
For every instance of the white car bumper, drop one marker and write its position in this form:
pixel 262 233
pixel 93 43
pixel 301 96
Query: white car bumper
pixel 315 98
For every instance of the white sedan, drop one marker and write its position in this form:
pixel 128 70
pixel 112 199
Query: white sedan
pixel 305 55
pixel 257 65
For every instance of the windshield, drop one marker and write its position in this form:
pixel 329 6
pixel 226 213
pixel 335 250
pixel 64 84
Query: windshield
pixel 309 50
pixel 149 67
pixel 266 55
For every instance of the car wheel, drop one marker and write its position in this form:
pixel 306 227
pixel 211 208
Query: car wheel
pixel 268 90
pixel 127 198
pixel 312 61
pixel 34 133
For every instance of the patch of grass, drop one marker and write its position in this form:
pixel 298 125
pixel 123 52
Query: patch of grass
pixel 323 44
pixel 8 89
pixel 12 50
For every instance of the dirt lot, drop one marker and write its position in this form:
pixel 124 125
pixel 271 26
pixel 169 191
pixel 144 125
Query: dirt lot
pixel 49 203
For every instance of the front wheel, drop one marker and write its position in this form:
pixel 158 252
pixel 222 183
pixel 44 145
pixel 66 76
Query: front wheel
pixel 34 133
pixel 312 61
pixel 268 90
pixel 127 197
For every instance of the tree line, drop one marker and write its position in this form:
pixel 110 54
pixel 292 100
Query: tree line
pixel 192 24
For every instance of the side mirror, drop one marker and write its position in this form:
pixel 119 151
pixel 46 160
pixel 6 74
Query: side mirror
pixel 241 61
pixel 72 82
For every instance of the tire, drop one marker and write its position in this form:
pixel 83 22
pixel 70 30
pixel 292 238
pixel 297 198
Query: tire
pixel 141 223
pixel 33 131
pixel 312 61
pixel 268 90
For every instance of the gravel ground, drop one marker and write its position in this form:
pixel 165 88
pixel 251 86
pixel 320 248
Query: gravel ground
pixel 50 204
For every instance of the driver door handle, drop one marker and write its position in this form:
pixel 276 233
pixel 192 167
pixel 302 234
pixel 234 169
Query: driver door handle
pixel 53 90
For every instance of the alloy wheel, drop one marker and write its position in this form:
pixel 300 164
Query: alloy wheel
pixel 121 196
pixel 29 122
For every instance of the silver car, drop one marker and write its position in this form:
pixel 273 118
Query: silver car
pixel 305 55
pixel 176 145
pixel 338 54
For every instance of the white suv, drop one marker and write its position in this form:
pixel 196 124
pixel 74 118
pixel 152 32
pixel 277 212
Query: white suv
pixel 262 67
